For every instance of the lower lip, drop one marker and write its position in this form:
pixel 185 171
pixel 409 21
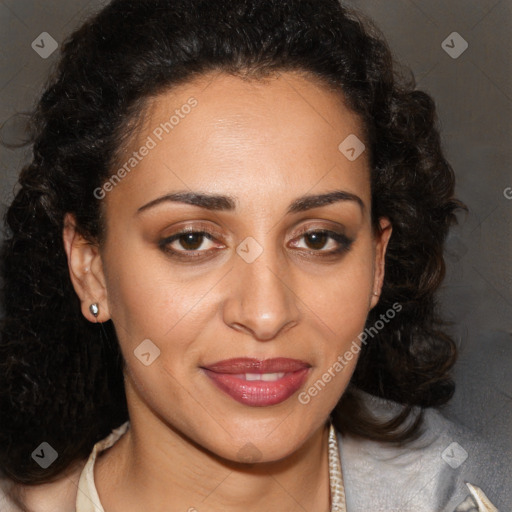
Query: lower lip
pixel 258 393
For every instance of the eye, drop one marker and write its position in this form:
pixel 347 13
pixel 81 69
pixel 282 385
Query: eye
pixel 187 242
pixel 318 239
pixel 190 244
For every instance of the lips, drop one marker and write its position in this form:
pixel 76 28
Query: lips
pixel 258 383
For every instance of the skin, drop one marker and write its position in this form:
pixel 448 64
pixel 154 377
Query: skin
pixel 265 144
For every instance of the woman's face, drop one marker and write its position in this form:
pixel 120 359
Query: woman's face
pixel 196 314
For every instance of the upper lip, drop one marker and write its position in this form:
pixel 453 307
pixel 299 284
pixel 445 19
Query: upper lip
pixel 252 365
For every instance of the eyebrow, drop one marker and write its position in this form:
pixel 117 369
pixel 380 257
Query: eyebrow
pixel 228 203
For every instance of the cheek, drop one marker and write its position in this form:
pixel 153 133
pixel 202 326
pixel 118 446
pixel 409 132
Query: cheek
pixel 154 312
pixel 344 298
pixel 146 296
pixel 341 306
pixel 149 300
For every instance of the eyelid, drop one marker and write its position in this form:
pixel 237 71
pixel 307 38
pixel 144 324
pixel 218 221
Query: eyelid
pixel 196 228
pixel 340 230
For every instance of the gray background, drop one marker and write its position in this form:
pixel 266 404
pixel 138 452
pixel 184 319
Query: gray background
pixel 474 97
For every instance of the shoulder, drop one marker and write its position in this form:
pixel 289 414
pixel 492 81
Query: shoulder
pixel 58 495
pixel 431 473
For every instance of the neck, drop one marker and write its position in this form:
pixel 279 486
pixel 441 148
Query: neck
pixel 155 467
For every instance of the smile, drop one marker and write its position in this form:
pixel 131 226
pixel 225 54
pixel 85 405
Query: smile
pixel 263 383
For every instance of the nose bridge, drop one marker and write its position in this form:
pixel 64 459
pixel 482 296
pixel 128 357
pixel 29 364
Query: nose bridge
pixel 261 299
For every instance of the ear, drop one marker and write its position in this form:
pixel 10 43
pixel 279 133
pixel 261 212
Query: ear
pixel 381 243
pixel 85 270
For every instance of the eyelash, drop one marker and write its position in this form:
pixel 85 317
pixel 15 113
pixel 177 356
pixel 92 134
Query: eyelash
pixel 344 241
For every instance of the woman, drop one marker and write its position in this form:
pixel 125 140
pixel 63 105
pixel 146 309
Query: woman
pixel 221 272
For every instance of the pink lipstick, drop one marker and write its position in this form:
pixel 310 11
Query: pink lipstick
pixel 258 383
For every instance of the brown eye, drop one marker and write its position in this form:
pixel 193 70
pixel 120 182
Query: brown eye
pixel 317 240
pixel 187 244
pixel 191 241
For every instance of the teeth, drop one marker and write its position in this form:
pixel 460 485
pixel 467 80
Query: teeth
pixel 268 377
pixel 272 376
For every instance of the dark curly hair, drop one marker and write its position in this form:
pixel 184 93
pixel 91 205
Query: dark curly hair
pixel 61 376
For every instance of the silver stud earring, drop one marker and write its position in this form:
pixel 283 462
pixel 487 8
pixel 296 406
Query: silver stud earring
pixel 94 309
pixel 375 293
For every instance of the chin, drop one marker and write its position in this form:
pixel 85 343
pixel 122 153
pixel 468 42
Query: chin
pixel 252 441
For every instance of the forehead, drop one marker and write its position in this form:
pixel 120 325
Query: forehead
pixel 255 110
pixel 251 139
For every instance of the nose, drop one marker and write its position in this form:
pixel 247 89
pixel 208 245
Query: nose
pixel 261 300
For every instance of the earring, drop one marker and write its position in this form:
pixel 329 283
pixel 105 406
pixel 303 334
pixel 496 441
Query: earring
pixel 375 293
pixel 94 309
